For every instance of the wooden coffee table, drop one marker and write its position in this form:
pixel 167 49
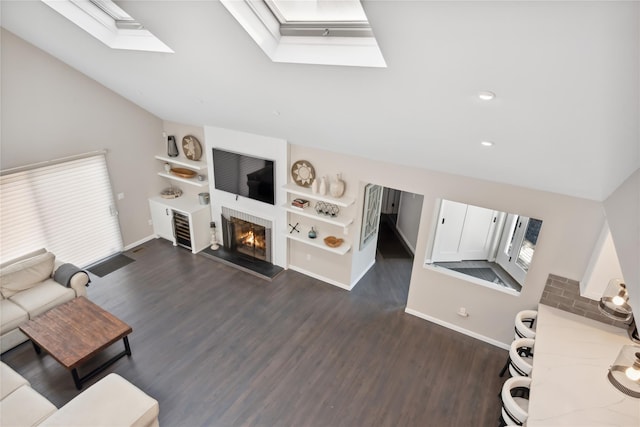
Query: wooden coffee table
pixel 74 332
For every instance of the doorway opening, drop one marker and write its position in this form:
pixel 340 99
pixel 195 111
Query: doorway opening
pixel 398 224
pixel 392 242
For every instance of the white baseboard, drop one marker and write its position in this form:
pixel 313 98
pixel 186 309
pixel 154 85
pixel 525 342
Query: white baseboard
pixel 139 242
pixel 406 241
pixel 319 277
pixel 457 329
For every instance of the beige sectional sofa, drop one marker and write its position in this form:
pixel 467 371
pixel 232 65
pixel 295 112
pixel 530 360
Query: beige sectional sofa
pixel 28 288
pixel 112 401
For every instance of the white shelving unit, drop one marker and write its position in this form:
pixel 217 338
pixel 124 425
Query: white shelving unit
pixel 309 212
pixel 318 242
pixel 196 166
pixel 342 220
pixel 307 193
pixel 186 163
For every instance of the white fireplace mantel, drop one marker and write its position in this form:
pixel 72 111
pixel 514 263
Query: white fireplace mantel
pixel 260 146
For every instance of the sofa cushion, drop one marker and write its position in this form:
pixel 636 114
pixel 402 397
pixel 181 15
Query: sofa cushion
pixel 112 401
pixel 24 274
pixel 43 297
pixel 11 316
pixel 10 380
pixel 25 407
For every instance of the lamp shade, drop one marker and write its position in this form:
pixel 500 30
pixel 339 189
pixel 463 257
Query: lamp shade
pixel 624 374
pixel 615 301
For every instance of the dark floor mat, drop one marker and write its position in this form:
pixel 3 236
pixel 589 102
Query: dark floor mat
pixel 110 265
pixel 481 273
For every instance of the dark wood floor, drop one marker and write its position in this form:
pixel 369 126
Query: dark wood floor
pixel 219 347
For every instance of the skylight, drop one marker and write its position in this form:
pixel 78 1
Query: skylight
pixel 344 10
pixel 107 22
pixel 313 18
pixel 331 32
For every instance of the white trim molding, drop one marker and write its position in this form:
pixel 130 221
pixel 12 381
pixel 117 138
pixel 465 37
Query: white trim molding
pixel 457 328
pixel 321 278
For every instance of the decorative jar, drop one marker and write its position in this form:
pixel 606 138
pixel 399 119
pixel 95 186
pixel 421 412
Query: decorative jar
pixel 336 189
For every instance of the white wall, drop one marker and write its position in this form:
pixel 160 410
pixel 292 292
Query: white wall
pixel 623 216
pixel 571 227
pixel 603 266
pixel 260 146
pixel 409 214
pixel 363 258
pixel 50 111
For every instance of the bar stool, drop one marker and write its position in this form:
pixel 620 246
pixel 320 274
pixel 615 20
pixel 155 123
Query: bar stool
pixel 515 401
pixel 524 328
pixel 520 360
pixel 525 324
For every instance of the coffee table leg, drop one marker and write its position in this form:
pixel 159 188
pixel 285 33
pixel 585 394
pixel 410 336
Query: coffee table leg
pixel 76 378
pixel 127 348
pixel 36 347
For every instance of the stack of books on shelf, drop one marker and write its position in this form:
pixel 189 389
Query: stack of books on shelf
pixel 299 203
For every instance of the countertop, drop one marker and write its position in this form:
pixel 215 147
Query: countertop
pixel 569 386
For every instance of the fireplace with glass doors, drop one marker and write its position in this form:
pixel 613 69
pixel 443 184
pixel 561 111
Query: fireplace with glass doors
pixel 247 238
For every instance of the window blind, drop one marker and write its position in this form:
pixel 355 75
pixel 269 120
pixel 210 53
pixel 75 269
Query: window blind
pixel 66 207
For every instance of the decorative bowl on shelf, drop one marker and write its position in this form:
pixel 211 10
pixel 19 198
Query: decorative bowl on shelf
pixel 183 173
pixel 171 193
pixel 333 241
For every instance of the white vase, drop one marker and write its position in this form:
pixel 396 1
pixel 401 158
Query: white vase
pixel 336 189
pixel 323 186
pixel 314 186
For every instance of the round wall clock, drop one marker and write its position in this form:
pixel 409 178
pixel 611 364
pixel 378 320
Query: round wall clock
pixel 303 173
pixel 191 147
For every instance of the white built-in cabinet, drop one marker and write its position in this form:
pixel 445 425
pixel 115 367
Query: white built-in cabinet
pixel 325 225
pixel 171 217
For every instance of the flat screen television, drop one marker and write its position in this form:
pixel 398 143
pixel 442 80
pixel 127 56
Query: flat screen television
pixel 243 175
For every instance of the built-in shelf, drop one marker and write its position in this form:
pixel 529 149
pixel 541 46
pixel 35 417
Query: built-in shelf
pixel 318 242
pixel 306 192
pixel 191 181
pixel 191 164
pixel 311 213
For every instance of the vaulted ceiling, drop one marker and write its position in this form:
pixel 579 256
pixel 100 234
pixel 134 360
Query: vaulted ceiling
pixel 566 117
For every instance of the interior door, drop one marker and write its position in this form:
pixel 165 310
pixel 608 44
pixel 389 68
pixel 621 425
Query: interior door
pixel 465 232
pixel 450 224
pixel 479 226
pixel 518 245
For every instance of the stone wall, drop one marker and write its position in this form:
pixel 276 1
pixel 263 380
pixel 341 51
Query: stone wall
pixel 564 294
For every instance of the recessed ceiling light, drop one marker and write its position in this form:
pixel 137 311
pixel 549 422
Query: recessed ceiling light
pixel 486 144
pixel 485 95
